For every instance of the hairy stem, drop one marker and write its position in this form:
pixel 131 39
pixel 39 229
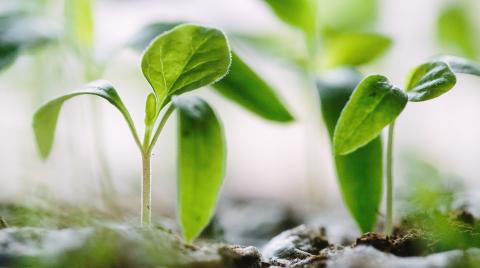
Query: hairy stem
pixel 389 215
pixel 146 190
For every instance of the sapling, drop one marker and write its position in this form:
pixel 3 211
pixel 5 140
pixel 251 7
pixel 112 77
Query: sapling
pixel 376 103
pixel 180 60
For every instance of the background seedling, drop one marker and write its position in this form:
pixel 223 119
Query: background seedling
pixel 376 103
pixel 180 60
pixel 329 42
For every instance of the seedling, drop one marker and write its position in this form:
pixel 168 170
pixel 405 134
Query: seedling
pixel 180 60
pixel 376 103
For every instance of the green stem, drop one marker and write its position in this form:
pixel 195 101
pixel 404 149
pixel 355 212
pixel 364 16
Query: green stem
pixel 389 215
pixel 146 190
pixel 146 170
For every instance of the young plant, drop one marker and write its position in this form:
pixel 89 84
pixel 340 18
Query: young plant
pixel 376 103
pixel 178 61
pixel 336 36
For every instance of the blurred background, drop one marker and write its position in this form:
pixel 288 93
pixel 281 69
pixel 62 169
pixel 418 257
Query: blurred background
pixel 289 162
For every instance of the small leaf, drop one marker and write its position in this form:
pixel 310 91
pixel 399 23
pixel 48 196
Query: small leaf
pixel 302 14
pixel 142 38
pixel 429 81
pixel 150 109
pixel 461 65
pixel 359 173
pixel 456 30
pixel 80 25
pixel 201 163
pixel 245 87
pixel 185 58
pixel 354 49
pixel 45 119
pixel 374 104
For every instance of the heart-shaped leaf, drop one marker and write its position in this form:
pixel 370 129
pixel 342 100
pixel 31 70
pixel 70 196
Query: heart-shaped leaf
pixel 45 119
pixel 461 65
pixel 354 48
pixel 302 14
pixel 185 58
pixel 429 81
pixel 374 104
pixel 201 163
pixel 245 87
pixel 359 173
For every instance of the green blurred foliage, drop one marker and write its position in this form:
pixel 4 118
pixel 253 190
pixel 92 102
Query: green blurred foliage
pixel 457 31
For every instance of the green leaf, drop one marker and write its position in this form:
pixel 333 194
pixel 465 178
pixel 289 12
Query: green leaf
pixel 45 118
pixel 142 38
pixel 18 33
pixel 287 47
pixel 359 173
pixel 80 25
pixel 429 81
pixel 461 65
pixel 302 14
pixel 374 104
pixel 150 109
pixel 185 58
pixel 201 163
pixel 245 87
pixel 347 15
pixel 455 30
pixel 354 49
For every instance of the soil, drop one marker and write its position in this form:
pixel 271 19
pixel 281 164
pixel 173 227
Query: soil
pixel 428 239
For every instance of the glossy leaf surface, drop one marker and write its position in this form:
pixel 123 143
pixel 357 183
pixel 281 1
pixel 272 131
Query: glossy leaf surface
pixel 461 65
pixel 245 87
pixel 359 173
pixel 374 104
pixel 429 81
pixel 185 58
pixel 201 163
pixel 46 117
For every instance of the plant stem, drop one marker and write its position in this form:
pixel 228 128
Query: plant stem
pixel 389 215
pixel 146 190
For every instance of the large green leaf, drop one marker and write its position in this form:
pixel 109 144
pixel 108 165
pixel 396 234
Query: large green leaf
pixel 374 104
pixel 201 163
pixel 19 32
pixel 461 65
pixel 45 119
pixel 245 87
pixel 185 58
pixel 359 173
pixel 429 81
pixel 80 25
pixel 354 48
pixel 455 29
pixel 302 14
